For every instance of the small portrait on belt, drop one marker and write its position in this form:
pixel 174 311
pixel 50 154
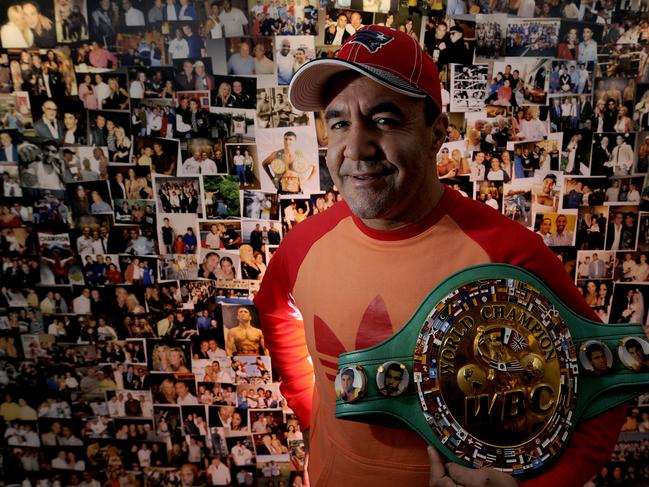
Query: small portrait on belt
pixel 634 354
pixel 349 384
pixel 392 378
pixel 595 357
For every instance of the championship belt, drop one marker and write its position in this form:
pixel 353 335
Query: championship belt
pixel 493 369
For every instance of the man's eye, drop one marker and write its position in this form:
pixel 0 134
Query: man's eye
pixel 338 125
pixel 385 121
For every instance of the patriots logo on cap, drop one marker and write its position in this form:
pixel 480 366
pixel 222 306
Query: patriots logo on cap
pixel 372 40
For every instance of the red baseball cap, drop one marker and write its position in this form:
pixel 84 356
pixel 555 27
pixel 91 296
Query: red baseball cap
pixel 386 55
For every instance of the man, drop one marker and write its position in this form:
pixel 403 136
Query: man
pixel 208 166
pixel 285 61
pixel 192 165
pixel 288 168
pixel 235 23
pixel 392 380
pixel 531 127
pixel 183 396
pixel 178 47
pixel 102 90
pixel 132 16
pixel 544 230
pixel 98 131
pixel 204 81
pixel 8 150
pixel 132 406
pixel 45 171
pixel 11 188
pixel 562 237
pixel 48 127
pixel 68 439
pixel 103 21
pixel 218 473
pixel 194 42
pixel 238 162
pixel 263 65
pixel 242 63
pixel 456 50
pixel 53 436
pixel 383 140
pixel 117 187
pixel 587 48
pixel 244 339
pixel 621 157
pixel 597 268
pixel 81 304
pixel 299 59
pixel 336 34
pixel 241 99
pixel 584 268
pixel 13 119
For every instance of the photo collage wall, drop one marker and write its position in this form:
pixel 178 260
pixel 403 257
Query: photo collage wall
pixel 152 162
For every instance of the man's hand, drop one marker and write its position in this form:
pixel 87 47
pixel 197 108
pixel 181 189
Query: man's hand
pixel 453 474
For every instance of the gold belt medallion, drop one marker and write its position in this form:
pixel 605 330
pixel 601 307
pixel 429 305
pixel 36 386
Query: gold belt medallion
pixel 496 373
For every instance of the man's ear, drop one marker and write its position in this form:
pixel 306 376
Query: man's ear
pixel 439 132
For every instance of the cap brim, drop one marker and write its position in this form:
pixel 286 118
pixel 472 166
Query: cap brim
pixel 307 89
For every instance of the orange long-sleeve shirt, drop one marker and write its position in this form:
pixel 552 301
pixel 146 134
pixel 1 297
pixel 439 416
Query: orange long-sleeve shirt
pixel 336 285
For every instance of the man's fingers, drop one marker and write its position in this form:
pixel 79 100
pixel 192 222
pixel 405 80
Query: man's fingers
pixel 443 482
pixel 466 476
pixel 480 477
pixel 437 469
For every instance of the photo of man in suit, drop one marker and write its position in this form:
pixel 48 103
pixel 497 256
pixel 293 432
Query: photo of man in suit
pixel 49 127
pixel 8 150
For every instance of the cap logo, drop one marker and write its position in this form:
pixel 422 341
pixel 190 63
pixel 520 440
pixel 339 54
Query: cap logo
pixel 372 40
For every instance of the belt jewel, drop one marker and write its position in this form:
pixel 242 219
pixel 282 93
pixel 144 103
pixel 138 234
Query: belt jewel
pixel 493 369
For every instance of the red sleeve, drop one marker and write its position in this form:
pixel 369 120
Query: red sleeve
pixel 281 321
pixel 592 442
pixel 283 329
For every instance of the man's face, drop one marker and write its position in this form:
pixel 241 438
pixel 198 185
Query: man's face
pixel 346 382
pixel 289 142
pixel 69 120
pixel 101 122
pixel 243 314
pixel 244 49
pixel 356 20
pixel 50 153
pixel 636 353
pixel 598 360
pixel 286 46
pixel 392 380
pixel 548 185
pixel 31 15
pixel 342 21
pixel 380 149
pixel 546 224
pixel 619 140
pixel 562 221
pixel 49 110
pixel 236 87
pixel 181 389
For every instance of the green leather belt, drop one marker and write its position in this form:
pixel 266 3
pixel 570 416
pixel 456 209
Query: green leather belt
pixel 493 369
